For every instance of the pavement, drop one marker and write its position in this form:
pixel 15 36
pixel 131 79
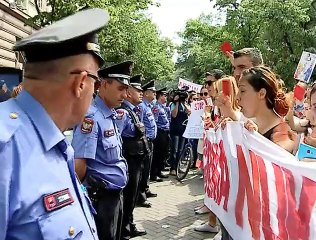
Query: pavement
pixel 171 215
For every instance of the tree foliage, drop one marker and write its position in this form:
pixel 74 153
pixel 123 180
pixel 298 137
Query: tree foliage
pixel 130 34
pixel 280 29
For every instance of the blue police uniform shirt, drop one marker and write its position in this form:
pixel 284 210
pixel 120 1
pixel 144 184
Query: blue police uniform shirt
pixel 98 141
pixel 125 122
pixel 148 119
pixel 161 116
pixel 35 177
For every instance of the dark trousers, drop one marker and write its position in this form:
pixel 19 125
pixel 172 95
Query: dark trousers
pixel 135 165
pixel 194 143
pixel 177 145
pixel 143 185
pixel 109 216
pixel 160 152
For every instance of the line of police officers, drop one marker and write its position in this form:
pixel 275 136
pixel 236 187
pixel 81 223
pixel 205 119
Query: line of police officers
pixel 41 195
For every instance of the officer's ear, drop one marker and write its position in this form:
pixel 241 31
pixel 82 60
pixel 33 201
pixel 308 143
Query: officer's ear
pixel 79 83
pixel 128 92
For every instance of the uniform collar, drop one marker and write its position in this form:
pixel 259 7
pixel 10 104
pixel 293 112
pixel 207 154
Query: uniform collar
pixel 46 128
pixel 130 105
pixel 106 111
pixel 146 102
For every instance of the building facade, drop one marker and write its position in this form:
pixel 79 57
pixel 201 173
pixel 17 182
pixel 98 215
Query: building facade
pixel 13 16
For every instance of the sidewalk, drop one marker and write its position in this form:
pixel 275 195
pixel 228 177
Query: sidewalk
pixel 172 215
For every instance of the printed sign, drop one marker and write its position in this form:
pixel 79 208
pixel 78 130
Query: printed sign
pixel 192 86
pixel 194 128
pixel 305 67
pixel 257 189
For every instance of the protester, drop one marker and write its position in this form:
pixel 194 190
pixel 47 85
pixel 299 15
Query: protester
pixel 98 151
pixel 194 142
pixel 41 197
pixel 244 59
pixel 210 111
pixel 210 226
pixel 261 97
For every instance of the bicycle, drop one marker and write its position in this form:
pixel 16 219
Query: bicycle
pixel 185 160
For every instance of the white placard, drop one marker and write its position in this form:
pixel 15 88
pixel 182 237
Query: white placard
pixel 194 128
pixel 305 67
pixel 192 86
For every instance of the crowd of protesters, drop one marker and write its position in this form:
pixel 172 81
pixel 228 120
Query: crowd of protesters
pixel 133 132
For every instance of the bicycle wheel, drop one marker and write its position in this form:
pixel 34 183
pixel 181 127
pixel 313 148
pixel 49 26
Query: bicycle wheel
pixel 185 161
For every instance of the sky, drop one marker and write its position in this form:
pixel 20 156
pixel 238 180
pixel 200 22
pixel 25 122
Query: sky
pixel 172 15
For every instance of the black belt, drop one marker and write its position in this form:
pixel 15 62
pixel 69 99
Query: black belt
pixel 163 130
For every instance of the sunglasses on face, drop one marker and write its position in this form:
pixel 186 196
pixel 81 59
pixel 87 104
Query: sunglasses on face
pixel 94 77
pixel 203 94
pixel 209 83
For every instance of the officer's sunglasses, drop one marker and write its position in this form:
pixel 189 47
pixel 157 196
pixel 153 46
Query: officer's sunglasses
pixel 205 94
pixel 94 77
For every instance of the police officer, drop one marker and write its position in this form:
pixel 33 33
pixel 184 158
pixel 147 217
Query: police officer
pixel 148 119
pixel 98 151
pixel 40 195
pixel 135 148
pixel 162 140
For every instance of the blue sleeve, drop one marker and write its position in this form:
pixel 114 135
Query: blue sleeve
pixel 121 120
pixel 141 115
pixel 155 111
pixel 85 139
pixel 6 174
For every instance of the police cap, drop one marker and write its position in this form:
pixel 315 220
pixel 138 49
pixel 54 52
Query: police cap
pixel 67 37
pixel 136 82
pixel 149 86
pixel 120 72
pixel 162 91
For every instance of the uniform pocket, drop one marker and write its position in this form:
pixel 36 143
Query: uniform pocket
pixel 111 148
pixel 63 224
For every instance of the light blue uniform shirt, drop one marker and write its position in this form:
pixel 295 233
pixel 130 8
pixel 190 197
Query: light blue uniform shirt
pixel 148 119
pixel 33 168
pixel 161 116
pixel 99 142
pixel 125 122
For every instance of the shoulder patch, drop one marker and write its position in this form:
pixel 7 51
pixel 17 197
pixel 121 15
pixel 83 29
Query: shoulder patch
pixel 87 125
pixel 120 114
pixel 155 110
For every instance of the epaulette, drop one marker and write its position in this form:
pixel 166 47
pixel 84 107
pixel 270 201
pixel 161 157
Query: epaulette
pixel 10 120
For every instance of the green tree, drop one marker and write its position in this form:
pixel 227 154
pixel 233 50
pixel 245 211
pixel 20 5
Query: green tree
pixel 280 29
pixel 200 49
pixel 129 34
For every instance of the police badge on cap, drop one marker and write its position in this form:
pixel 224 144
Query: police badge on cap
pixel 136 82
pixel 120 72
pixel 149 86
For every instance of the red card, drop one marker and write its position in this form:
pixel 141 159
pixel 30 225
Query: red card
pixel 226 87
pixel 226 47
pixel 299 92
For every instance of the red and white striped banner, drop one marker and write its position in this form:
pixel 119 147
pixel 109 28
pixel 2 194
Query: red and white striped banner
pixel 257 189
